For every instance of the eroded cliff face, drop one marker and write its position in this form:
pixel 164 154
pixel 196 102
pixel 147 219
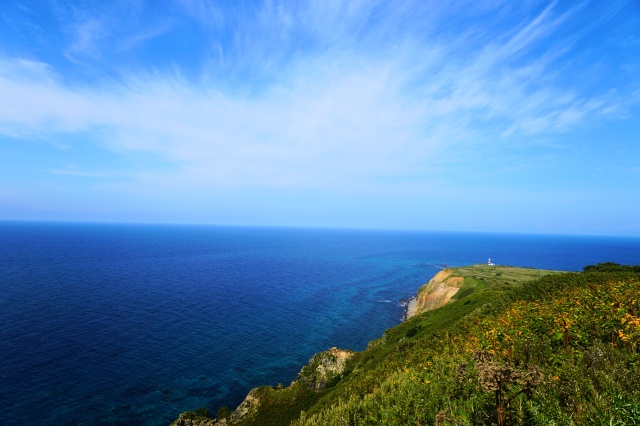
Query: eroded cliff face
pixel 323 368
pixel 246 408
pixel 436 293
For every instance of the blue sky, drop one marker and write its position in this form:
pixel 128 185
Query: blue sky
pixel 473 116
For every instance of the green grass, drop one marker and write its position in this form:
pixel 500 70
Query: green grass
pixel 497 278
pixel 281 406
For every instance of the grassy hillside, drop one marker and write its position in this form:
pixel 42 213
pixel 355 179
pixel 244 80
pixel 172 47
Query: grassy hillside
pixel 515 346
pixel 464 281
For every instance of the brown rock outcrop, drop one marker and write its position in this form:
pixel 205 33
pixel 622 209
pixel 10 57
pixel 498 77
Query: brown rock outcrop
pixel 436 293
pixel 324 367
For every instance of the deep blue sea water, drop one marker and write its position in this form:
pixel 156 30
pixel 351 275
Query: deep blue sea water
pixel 133 324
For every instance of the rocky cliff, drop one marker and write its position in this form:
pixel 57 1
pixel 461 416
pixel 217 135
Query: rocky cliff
pixel 436 293
pixel 323 368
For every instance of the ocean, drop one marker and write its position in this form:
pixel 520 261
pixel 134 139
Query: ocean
pixel 105 324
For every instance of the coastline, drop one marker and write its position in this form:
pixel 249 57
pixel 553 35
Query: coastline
pixel 331 365
pixel 410 305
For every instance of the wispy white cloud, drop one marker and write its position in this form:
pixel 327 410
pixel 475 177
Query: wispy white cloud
pixel 88 39
pixel 79 173
pixel 205 12
pixel 531 32
pixel 90 32
pixel 340 115
pixel 140 37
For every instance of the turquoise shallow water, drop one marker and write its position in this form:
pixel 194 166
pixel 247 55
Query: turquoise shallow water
pixel 133 324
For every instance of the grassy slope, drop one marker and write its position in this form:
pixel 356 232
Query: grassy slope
pixel 579 331
pixel 494 278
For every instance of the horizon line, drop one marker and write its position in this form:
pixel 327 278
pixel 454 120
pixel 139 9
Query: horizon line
pixel 312 227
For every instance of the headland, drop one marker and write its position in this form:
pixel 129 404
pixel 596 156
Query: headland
pixel 482 344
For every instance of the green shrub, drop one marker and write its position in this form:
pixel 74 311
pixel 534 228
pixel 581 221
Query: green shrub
pixel 223 413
